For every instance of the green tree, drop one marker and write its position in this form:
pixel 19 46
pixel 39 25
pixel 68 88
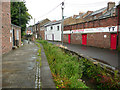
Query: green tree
pixel 19 14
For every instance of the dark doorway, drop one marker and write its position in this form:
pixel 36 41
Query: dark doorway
pixel 13 37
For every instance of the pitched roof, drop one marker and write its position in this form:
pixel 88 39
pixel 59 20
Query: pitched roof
pixel 108 13
pixel 40 21
pixel 52 23
pixel 97 12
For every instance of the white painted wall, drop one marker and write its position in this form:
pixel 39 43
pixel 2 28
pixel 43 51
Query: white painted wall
pixel 93 30
pixel 49 32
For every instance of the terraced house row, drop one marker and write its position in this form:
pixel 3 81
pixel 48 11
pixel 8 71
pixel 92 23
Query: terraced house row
pixel 10 34
pixel 98 28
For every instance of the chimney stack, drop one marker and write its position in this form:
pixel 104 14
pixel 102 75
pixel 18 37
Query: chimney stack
pixel 110 5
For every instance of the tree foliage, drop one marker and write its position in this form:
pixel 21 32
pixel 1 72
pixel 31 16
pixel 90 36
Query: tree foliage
pixel 19 14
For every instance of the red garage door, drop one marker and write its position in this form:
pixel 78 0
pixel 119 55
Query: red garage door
pixel 69 38
pixel 113 41
pixel 84 39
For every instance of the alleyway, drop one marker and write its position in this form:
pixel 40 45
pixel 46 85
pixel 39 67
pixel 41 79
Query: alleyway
pixel 108 56
pixel 21 69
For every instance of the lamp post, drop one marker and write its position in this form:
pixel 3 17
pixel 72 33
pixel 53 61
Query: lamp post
pixel 62 20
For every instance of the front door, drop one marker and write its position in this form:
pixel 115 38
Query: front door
pixel 69 38
pixel 53 37
pixel 84 39
pixel 113 41
pixel 13 37
pixel 46 37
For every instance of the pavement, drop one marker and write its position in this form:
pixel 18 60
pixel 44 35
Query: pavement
pixel 46 76
pixel 111 57
pixel 20 68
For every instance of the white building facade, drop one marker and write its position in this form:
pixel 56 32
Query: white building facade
pixel 53 31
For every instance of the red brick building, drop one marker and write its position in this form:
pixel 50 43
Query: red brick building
pixel 11 34
pixel 6 27
pixel 16 35
pixel 37 31
pixel 99 29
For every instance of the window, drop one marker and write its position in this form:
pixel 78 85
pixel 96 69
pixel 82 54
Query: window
pixel 51 28
pixel 17 34
pixel 58 28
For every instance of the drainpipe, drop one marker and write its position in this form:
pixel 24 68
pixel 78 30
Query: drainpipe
pixel 118 20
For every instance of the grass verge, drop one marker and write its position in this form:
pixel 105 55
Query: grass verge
pixel 39 54
pixel 68 70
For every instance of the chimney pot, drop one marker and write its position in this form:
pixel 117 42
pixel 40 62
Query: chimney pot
pixel 110 5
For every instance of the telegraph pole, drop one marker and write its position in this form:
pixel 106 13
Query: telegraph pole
pixel 118 24
pixel 62 20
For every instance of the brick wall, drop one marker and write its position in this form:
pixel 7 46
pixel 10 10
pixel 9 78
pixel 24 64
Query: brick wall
pixel 119 40
pixel 76 38
pixel 42 33
pixel 98 40
pixel 111 21
pixel 65 38
pixel 6 27
pixel 39 27
pixel 93 39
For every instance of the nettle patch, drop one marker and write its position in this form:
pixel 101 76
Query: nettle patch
pixel 68 70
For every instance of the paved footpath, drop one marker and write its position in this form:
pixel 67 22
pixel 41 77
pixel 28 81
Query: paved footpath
pixel 20 69
pixel 111 57
pixel 46 77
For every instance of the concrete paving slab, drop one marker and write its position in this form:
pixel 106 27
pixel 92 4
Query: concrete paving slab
pixel 19 67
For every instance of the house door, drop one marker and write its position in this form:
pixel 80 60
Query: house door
pixel 69 38
pixel 84 39
pixel 113 41
pixel 13 37
pixel 53 37
pixel 46 37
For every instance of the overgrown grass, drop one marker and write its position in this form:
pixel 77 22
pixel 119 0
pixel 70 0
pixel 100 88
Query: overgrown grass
pixel 39 54
pixel 68 70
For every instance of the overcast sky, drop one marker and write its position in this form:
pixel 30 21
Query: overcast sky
pixel 40 9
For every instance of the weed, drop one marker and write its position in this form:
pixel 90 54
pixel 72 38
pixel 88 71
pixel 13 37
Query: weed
pixel 68 70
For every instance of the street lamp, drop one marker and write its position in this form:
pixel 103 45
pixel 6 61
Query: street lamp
pixel 62 20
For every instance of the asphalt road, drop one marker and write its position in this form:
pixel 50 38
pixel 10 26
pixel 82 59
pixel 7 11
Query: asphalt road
pixel 111 57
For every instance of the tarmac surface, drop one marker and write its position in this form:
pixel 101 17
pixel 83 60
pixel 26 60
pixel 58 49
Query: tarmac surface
pixel 111 57
pixel 20 69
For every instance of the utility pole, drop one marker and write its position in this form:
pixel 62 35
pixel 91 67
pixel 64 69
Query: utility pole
pixel 34 21
pixel 118 24
pixel 62 20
